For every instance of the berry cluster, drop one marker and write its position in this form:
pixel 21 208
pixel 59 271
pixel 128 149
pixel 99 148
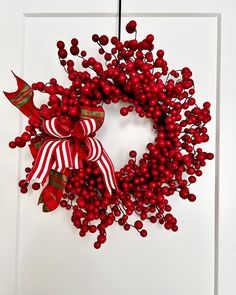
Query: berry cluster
pixel 135 74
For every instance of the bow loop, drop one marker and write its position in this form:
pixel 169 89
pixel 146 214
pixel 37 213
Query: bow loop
pixel 84 128
pixel 70 144
pixel 59 127
pixel 97 114
pixel 64 126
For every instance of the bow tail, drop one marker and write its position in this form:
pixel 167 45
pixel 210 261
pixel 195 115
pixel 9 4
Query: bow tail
pixel 43 162
pixel 52 193
pixel 22 98
pixel 107 169
pixel 54 159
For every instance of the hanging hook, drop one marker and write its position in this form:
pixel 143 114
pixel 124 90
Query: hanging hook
pixel 119 20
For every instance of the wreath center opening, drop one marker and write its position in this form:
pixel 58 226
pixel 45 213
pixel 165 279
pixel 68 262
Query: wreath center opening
pixel 120 135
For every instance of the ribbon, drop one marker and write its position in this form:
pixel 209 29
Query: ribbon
pixel 67 147
pixel 22 98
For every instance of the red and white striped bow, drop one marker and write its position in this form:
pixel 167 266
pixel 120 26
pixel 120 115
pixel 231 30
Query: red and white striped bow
pixel 68 146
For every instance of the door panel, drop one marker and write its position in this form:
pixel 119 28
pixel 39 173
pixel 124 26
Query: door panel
pixel 190 251
pixel 42 253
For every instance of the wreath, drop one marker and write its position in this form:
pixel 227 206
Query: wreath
pixel 74 166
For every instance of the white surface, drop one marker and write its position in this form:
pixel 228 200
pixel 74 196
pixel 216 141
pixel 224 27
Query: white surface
pixel 227 205
pixel 50 257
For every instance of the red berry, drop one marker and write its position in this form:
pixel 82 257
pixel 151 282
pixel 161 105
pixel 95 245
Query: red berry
pixel 133 154
pixel 25 136
pixel 103 40
pixel 53 81
pixel 62 53
pixel 131 26
pixel 114 40
pixel 95 38
pixel 143 233
pixel 80 202
pixel 168 226
pixel 46 113
pixel 74 41
pixel 12 144
pixel 206 105
pixel 60 44
pixel 63 203
pixel 73 111
pixel 23 183
pixel 101 239
pixel 153 219
pixel 63 62
pixel 150 38
pixel 124 111
pixel 74 50
pixel 192 179
pixel 27 169
pixel 92 228
pixel 174 228
pixel 97 245
pixel 192 197
pixel 126 227
pixel 138 224
pixel 35 186
pixel 210 156
pixel 160 53
pixel 24 190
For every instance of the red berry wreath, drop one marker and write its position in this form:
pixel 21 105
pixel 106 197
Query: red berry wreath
pixel 80 175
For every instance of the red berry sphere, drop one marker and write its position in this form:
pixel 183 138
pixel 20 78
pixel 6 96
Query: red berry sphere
pixel 131 26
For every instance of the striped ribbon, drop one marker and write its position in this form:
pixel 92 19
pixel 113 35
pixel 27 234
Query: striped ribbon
pixel 68 149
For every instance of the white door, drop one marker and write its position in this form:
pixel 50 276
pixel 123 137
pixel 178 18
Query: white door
pixel 42 253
